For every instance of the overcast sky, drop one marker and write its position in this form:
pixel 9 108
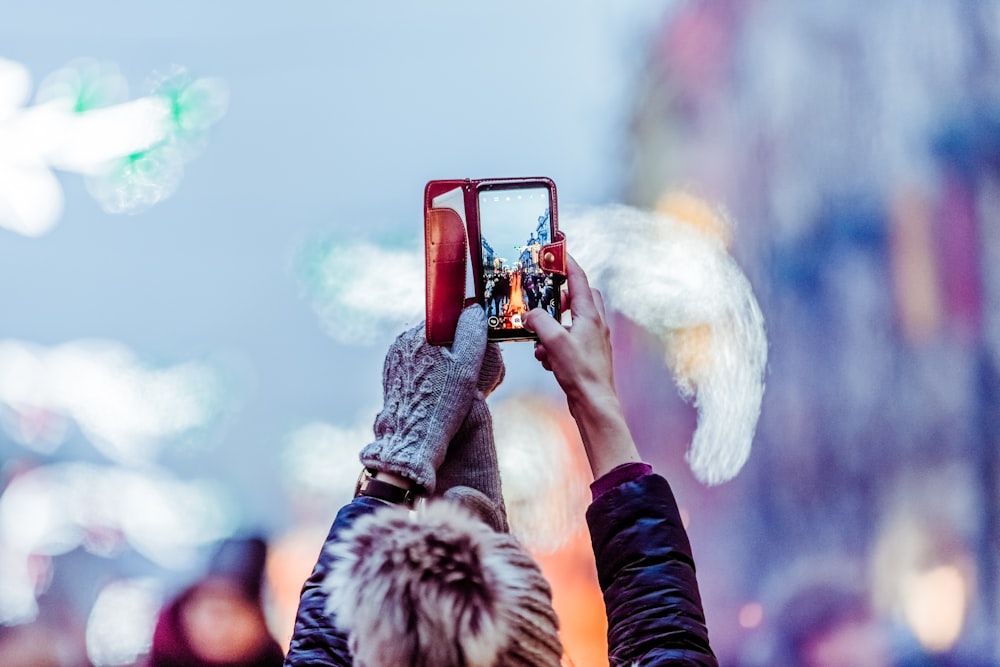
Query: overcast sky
pixel 338 115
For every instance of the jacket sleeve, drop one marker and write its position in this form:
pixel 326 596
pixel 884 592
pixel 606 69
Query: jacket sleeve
pixel 647 574
pixel 316 640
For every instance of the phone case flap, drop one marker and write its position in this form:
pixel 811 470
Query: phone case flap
pixel 552 256
pixel 445 257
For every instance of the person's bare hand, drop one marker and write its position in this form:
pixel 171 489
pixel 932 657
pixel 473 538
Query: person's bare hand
pixel 580 358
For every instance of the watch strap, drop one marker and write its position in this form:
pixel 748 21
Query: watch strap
pixel 371 487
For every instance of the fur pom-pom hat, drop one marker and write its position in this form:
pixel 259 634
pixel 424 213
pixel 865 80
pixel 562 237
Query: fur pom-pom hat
pixel 437 587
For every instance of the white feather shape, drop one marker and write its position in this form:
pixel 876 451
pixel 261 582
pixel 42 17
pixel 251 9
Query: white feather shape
pixel 668 277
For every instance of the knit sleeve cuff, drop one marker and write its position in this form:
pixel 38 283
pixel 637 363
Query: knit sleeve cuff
pixel 626 472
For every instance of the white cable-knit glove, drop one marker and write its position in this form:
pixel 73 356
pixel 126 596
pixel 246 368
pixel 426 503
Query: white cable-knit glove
pixel 427 392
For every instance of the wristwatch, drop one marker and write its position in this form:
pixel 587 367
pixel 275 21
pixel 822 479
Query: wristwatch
pixel 369 486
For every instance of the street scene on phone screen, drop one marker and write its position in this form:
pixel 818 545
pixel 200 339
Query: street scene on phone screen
pixel 515 224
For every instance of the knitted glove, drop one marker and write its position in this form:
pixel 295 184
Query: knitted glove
pixel 470 473
pixel 492 372
pixel 427 392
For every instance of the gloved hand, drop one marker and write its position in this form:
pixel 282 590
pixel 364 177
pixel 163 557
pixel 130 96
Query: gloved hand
pixel 470 473
pixel 427 392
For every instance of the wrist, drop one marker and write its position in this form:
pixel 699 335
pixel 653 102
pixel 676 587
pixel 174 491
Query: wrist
pixel 597 414
pixel 394 479
pixel 387 486
pixel 606 437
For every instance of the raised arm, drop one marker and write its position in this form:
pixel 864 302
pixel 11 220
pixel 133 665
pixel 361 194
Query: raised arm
pixel 580 359
pixel 644 561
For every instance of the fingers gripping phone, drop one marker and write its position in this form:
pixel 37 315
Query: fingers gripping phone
pixel 515 259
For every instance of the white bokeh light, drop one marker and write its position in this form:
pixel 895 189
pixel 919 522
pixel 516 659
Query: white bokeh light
pixel 545 477
pixel 131 152
pixel 17 587
pixel 121 622
pixel 126 409
pixel 55 508
pixel 321 459
pixel 673 279
pixel 359 290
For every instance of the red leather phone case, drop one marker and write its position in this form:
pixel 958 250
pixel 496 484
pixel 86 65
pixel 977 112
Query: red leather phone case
pixel 447 243
pixel 445 255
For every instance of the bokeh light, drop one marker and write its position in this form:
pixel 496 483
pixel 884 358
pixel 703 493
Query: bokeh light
pixel 19 585
pixel 936 605
pixel 290 560
pixel 544 472
pixel 679 283
pixel 925 573
pixel 131 152
pixel 55 508
pixel 360 290
pixel 320 461
pixel 120 627
pixel 126 409
pixel 751 615
pixel 15 86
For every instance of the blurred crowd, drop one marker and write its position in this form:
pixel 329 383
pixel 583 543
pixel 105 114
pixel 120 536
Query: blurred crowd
pixel 855 146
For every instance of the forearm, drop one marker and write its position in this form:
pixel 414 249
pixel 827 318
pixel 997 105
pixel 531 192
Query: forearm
pixel 606 437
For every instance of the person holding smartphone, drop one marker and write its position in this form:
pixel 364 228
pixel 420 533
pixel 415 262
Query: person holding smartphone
pixel 445 583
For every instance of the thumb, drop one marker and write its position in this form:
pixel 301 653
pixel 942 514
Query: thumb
pixel 470 336
pixel 544 325
pixel 492 372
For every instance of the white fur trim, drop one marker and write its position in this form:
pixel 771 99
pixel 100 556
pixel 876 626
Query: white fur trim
pixel 438 583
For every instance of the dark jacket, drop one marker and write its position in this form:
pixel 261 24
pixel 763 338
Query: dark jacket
pixel 647 574
pixel 316 641
pixel 644 566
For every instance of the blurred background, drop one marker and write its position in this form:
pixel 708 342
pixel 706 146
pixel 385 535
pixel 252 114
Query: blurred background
pixel 210 228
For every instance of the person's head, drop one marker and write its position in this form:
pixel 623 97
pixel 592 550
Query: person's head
pixel 219 620
pixel 213 622
pixel 440 588
pixel 241 560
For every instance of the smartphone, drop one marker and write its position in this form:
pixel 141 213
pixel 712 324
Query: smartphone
pixel 517 217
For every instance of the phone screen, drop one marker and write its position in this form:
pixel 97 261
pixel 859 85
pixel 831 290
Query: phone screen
pixel 515 222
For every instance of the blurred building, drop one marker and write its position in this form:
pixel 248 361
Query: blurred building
pixel 857 147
